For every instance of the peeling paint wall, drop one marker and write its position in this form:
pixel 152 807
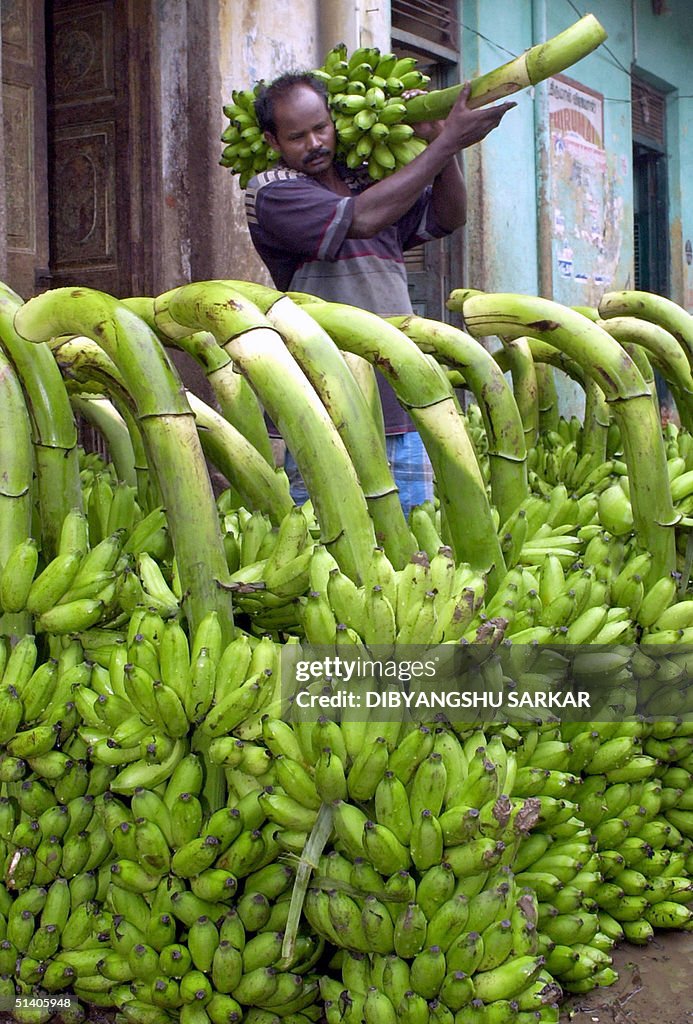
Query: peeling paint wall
pixel 203 52
pixel 520 190
pixel 260 39
pixel 548 223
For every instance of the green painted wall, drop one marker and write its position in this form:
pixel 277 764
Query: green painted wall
pixel 557 220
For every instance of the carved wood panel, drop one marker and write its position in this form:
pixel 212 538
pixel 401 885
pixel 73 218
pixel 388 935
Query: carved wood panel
pixel 89 209
pixel 23 85
pixel 18 111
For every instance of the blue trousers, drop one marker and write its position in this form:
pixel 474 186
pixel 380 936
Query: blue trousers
pixel 409 462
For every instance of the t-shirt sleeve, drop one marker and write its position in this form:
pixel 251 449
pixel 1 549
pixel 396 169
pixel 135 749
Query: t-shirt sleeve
pixel 302 218
pixel 418 224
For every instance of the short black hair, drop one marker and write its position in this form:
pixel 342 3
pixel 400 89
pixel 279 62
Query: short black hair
pixel 280 87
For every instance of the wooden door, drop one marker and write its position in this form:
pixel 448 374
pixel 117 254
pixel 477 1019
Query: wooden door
pixel 24 108
pixel 89 188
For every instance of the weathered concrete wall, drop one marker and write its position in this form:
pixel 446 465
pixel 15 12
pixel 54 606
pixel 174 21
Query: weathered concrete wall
pixel 258 39
pixel 501 236
pixel 172 29
pixel 521 218
pixel 548 220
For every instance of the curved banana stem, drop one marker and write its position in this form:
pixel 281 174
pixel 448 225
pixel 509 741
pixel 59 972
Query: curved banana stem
pixel 667 354
pixel 639 356
pixel 422 387
pixel 502 422
pixel 361 368
pixel 259 486
pixel 604 361
pixel 325 367
pixel 596 418
pixel 547 398
pixel 236 399
pixel 53 425
pixel 103 415
pixel 260 354
pixel 168 429
pixel 525 388
pixel 596 422
pixel 16 481
pixel 82 360
pixel 656 309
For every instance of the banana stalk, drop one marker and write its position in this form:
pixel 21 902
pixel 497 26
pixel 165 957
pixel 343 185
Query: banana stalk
pixel 596 421
pixel 423 389
pixel 360 368
pixel 325 367
pixel 547 397
pixel 83 361
pixel 168 429
pixel 503 424
pixel 534 65
pixel 16 484
pixel 103 415
pixel 236 400
pixel 53 426
pixel 284 390
pixel 604 361
pixel 519 362
pixel 656 309
pixel 667 354
pixel 596 418
pixel 639 356
pixel 259 485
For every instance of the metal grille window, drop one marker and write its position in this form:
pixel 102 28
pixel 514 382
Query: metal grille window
pixel 649 113
pixel 432 22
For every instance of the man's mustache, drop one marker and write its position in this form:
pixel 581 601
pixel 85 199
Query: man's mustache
pixel 316 155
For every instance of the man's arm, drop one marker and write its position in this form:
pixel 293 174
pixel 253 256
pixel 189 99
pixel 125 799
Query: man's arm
pixel 386 201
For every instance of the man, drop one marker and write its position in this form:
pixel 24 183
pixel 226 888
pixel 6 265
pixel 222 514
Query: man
pixel 328 231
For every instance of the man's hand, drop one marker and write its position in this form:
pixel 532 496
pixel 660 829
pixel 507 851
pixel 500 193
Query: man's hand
pixel 465 126
pixel 427 130
pixel 384 202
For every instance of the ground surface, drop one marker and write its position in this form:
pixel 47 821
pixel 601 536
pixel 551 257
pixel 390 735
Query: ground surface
pixel 655 986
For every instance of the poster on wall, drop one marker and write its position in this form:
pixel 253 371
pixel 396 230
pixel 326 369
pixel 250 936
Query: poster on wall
pixel 585 249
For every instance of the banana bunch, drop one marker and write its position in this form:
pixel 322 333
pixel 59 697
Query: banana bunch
pixel 271 567
pixel 417 886
pixel 426 602
pixel 98 576
pixel 73 591
pixel 622 802
pixel 560 863
pixel 148 901
pixel 39 720
pixel 245 150
pixel 364 96
pixel 469 972
pixel 161 692
pixel 201 903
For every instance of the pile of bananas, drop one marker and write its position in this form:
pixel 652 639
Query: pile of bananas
pixel 177 843
pixel 364 96
pixel 417 892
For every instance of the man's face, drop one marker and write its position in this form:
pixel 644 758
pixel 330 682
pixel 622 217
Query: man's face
pixel 305 135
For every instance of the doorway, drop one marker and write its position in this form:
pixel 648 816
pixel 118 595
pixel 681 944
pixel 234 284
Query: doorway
pixel 650 201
